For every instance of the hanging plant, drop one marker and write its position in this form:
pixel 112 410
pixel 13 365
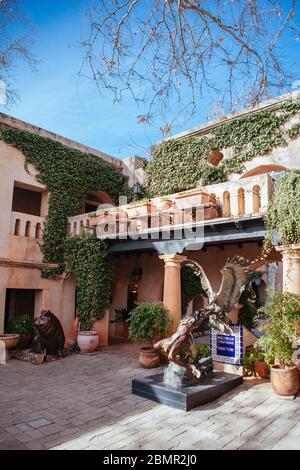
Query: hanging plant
pixel 283 216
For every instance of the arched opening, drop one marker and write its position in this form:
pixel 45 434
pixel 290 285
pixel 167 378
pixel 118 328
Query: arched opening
pixel 241 201
pixel 262 169
pixel 75 228
pixel 132 295
pixel 95 199
pixel 38 231
pixel 226 204
pixel 17 227
pixel 81 228
pixel 256 198
pixel 28 229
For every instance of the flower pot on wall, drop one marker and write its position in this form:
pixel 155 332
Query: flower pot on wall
pixel 262 370
pixel 87 341
pixel 285 382
pixel 137 209
pixel 162 204
pixel 194 198
pixel 149 358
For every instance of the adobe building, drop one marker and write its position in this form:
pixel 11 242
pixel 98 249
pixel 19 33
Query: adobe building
pixel 147 261
pixel 23 208
pixel 148 269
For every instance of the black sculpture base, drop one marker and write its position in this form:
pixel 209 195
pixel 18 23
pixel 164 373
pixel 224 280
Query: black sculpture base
pixel 186 398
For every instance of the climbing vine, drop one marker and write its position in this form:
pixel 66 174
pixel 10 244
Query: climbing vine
pixel 191 287
pixel 69 175
pixel 179 165
pixel 85 256
pixel 283 216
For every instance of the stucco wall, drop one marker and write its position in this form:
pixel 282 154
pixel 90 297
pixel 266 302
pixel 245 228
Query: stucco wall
pixel 56 295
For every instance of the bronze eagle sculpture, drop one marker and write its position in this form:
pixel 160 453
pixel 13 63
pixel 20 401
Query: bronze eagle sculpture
pixel 235 275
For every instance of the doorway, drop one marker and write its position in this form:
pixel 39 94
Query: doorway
pixel 19 302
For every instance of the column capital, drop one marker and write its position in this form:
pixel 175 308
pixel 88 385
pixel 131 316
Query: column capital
pixel 173 259
pixel 289 251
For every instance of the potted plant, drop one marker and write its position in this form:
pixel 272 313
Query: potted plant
pixel 149 322
pixel 255 363
pixel 192 197
pixel 284 314
pixel 22 325
pixel 123 317
pixel 139 208
pixel 86 258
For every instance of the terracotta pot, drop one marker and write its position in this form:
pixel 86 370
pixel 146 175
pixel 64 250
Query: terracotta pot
pixel 262 370
pixel 285 382
pixel 10 341
pixel 162 204
pixel 215 157
pixel 149 358
pixel 25 341
pixel 297 329
pixel 87 341
pixel 194 198
pixel 139 209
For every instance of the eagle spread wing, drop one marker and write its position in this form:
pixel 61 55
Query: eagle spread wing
pixel 235 274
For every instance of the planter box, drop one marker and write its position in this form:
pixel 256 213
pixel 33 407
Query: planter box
pixel 192 199
pixel 105 217
pixel 139 209
pixel 162 205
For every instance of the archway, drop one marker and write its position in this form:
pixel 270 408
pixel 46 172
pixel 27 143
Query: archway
pixel 95 199
pixel 262 169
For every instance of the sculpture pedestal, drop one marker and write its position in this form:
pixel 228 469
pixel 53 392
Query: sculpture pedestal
pixel 189 396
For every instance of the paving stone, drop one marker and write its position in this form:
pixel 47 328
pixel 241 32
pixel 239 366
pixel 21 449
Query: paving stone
pixel 85 402
pixel 39 423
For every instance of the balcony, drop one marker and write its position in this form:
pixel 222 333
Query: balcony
pixel 26 225
pixel 230 201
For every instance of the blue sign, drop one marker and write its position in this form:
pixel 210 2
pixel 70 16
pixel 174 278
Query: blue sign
pixel 226 345
pixel 227 349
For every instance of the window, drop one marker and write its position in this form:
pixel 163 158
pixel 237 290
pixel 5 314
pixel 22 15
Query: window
pixel 26 201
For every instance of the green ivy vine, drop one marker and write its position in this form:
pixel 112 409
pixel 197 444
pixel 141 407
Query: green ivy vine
pixel 69 175
pixel 179 165
pixel 283 216
pixel 86 257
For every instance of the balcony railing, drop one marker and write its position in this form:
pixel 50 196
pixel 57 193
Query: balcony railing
pixel 243 198
pixel 26 225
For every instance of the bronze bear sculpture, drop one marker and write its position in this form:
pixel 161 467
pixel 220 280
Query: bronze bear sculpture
pixel 50 335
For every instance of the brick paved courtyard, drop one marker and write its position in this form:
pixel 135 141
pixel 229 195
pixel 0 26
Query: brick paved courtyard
pixel 84 402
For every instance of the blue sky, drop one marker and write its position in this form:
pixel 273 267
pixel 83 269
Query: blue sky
pixel 53 98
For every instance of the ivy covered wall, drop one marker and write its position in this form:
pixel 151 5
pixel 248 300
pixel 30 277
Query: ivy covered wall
pixel 69 175
pixel 179 165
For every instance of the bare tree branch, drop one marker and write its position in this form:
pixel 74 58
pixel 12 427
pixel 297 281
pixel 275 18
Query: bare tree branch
pixel 168 54
pixel 15 43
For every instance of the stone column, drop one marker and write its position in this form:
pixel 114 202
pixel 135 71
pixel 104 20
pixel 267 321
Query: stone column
pixel 291 268
pixel 172 287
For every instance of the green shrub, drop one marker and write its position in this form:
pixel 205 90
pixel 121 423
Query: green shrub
pixel 283 216
pixel 22 325
pixel 149 322
pixel 284 314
